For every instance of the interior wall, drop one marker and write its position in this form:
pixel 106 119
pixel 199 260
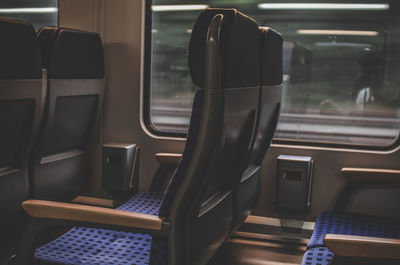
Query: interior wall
pixel 84 15
pixel 328 181
pixel 120 24
pixel 124 47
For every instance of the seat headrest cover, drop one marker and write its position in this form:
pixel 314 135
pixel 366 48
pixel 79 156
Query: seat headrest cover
pixel 46 37
pixel 72 54
pixel 239 48
pixel 271 57
pixel 19 51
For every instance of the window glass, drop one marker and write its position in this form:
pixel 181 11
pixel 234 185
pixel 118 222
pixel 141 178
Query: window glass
pixel 39 12
pixel 341 65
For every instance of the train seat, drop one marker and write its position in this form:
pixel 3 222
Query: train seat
pixel 353 224
pixel 195 213
pixel 240 65
pixel 129 247
pixel 341 223
pixel 349 238
pixel 22 96
pixel 144 202
pixel 317 256
pixel 75 64
pixel 247 189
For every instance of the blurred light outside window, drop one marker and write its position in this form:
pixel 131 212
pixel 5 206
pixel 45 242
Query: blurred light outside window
pixel 341 63
pixel 40 13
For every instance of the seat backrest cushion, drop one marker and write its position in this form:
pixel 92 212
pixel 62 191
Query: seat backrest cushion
pixel 248 186
pixel 75 69
pixel 240 70
pixel 16 118
pixel 270 93
pixel 159 245
pixel 72 54
pixel 46 37
pixel 20 59
pixel 187 154
pixel 240 59
pixel 201 212
pixel 271 57
pixel 21 105
pixel 232 54
pixel 19 48
pixel 73 122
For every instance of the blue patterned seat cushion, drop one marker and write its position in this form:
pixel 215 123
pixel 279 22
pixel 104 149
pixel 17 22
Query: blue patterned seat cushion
pixel 317 256
pixel 83 245
pixel 146 202
pixel 353 224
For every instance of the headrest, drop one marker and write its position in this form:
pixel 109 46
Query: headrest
pixel 46 37
pixel 71 54
pixel 19 51
pixel 298 62
pixel 271 57
pixel 239 47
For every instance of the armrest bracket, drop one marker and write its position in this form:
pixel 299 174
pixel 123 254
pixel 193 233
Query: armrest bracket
pixel 358 178
pixel 168 158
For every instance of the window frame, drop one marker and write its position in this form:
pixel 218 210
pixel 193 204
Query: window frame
pixel 146 91
pixel 146 100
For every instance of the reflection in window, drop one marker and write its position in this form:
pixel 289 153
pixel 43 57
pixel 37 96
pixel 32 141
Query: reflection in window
pixel 341 64
pixel 334 87
pixel 39 12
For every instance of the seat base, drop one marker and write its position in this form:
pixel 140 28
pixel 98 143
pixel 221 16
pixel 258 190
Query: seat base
pixel 317 256
pixel 353 224
pixel 82 245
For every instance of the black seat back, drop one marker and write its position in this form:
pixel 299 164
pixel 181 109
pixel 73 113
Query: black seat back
pixel 22 96
pixel 75 65
pixel 224 62
pixel 247 190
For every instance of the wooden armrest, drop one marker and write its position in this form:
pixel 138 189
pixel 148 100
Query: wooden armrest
pixel 363 246
pixel 92 214
pixel 168 158
pixel 353 174
pixel 94 201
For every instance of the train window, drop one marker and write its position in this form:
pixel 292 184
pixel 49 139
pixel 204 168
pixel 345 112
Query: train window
pixel 341 64
pixel 40 12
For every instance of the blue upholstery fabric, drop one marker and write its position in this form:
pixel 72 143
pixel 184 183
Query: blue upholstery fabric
pixel 83 245
pixel 353 224
pixel 146 202
pixel 317 256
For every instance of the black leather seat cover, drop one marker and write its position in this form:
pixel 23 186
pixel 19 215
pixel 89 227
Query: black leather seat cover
pixel 248 188
pixel 21 105
pixel 75 63
pixel 229 74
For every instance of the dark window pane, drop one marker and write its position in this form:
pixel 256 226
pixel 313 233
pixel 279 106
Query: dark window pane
pixel 341 64
pixel 39 12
